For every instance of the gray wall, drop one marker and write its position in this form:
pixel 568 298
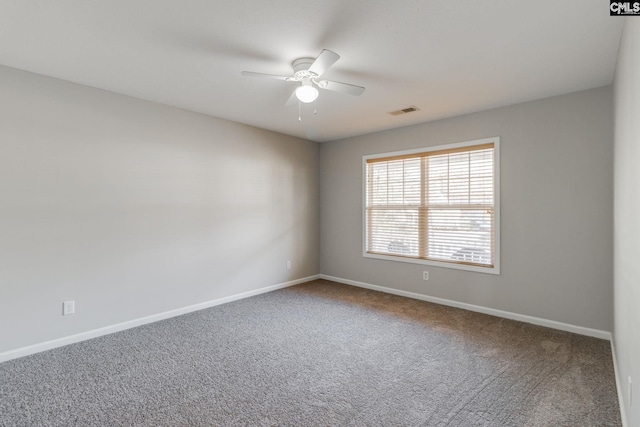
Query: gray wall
pixel 557 210
pixel 132 208
pixel 627 216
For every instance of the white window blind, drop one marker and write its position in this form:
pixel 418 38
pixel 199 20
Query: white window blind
pixel 435 205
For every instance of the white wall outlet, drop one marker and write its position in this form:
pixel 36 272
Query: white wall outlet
pixel 68 307
pixel 288 265
pixel 425 275
pixel 630 391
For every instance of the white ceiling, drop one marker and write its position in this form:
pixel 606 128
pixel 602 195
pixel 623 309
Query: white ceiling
pixel 445 57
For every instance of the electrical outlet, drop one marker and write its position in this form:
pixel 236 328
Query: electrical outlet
pixel 288 265
pixel 68 307
pixel 425 275
pixel 630 391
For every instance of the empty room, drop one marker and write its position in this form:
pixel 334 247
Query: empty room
pixel 329 213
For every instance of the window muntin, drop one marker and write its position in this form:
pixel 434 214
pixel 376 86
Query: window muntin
pixel 435 206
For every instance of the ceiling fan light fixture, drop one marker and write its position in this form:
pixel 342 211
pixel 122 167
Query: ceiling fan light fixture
pixel 306 93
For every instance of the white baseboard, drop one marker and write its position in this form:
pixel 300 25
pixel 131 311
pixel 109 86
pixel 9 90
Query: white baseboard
pixel 596 333
pixel 619 382
pixel 59 342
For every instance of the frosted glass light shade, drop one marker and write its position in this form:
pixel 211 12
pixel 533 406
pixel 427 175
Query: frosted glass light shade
pixel 306 93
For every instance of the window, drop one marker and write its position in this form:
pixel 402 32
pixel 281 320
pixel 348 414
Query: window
pixel 437 206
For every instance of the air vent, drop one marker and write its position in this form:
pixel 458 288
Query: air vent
pixel 404 110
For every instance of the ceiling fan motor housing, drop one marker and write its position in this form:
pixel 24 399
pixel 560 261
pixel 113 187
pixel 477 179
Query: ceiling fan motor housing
pixel 301 69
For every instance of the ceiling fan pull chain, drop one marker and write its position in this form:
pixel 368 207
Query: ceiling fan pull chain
pixel 315 107
pixel 299 111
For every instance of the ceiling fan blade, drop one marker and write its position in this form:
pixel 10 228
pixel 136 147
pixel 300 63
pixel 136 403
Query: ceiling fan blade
pixel 322 63
pixel 268 76
pixel 292 99
pixel 341 87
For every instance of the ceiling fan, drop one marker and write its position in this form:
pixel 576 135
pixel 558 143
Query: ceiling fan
pixel 307 72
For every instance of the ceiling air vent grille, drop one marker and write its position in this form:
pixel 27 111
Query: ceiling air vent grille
pixel 404 111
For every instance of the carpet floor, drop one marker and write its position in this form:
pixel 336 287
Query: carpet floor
pixel 318 354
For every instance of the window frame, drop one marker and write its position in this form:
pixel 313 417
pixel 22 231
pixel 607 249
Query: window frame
pixel 496 188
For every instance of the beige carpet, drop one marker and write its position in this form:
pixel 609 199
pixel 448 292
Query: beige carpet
pixel 319 354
